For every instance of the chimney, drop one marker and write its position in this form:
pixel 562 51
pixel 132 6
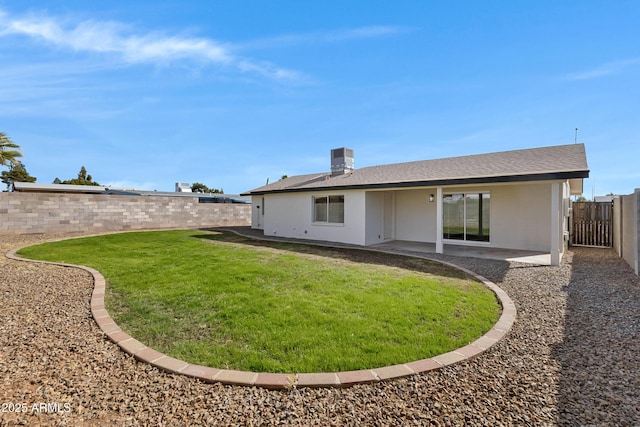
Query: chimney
pixel 341 161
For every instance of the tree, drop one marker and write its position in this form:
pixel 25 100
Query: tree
pixel 17 173
pixel 82 179
pixel 198 187
pixel 9 150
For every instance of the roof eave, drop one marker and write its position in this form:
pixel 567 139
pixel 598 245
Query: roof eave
pixel 548 176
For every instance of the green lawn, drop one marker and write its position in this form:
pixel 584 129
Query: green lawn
pixel 226 301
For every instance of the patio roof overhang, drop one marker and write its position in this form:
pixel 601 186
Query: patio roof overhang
pixel 575 178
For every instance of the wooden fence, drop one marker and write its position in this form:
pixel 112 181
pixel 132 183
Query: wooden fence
pixel 592 224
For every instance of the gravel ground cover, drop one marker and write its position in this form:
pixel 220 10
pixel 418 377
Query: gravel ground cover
pixel 572 358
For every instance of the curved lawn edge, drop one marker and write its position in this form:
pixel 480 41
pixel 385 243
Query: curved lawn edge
pixel 286 381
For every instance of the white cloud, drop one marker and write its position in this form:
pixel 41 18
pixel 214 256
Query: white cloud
pixel 610 68
pixel 117 39
pixel 320 37
pixel 366 32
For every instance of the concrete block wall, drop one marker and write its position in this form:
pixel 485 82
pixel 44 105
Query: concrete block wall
pixel 636 230
pixel 627 209
pixel 28 213
pixel 637 194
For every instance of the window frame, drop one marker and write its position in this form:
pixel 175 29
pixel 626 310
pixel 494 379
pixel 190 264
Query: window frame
pixel 483 196
pixel 333 208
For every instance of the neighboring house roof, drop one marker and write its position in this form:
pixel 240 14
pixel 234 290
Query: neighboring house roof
pixel 545 163
pixel 101 189
pixel 204 197
pixel 59 188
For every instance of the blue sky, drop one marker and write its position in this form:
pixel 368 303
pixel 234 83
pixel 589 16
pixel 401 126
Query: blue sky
pixel 145 94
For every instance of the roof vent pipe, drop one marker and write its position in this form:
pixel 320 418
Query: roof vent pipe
pixel 341 161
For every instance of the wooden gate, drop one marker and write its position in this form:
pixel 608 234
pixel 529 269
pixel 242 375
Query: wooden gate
pixel 592 224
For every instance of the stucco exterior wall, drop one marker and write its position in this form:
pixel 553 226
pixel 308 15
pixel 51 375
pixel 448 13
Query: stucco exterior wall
pixel 257 212
pixel 285 215
pixel 415 215
pixel 290 215
pixel 25 213
pixel 521 215
pixel 374 219
pixel 617 225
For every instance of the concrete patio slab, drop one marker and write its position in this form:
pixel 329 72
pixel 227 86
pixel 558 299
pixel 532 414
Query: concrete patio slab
pixel 529 257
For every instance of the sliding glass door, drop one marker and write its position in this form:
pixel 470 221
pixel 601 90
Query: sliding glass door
pixel 466 216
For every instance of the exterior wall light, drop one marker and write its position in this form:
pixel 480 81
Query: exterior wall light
pixel 431 198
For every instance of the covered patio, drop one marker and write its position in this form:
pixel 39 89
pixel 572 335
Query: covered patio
pixel 405 246
pixel 516 255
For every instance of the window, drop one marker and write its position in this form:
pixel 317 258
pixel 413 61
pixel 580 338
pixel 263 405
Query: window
pixel 321 210
pixel 466 216
pixel 328 209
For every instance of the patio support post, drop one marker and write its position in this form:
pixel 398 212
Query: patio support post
pixel 439 227
pixel 556 229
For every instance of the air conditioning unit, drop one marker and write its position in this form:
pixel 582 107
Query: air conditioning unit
pixel 341 161
pixel 183 187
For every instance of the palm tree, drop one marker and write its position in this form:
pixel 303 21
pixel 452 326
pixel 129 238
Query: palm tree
pixel 9 150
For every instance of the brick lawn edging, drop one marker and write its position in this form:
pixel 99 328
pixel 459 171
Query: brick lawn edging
pixel 285 381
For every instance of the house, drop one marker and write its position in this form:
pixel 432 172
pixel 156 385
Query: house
pixel 605 199
pixel 512 200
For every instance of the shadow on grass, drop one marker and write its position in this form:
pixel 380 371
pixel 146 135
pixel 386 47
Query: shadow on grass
pixel 362 256
pixel 493 269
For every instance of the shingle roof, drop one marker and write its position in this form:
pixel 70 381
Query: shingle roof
pixel 556 162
